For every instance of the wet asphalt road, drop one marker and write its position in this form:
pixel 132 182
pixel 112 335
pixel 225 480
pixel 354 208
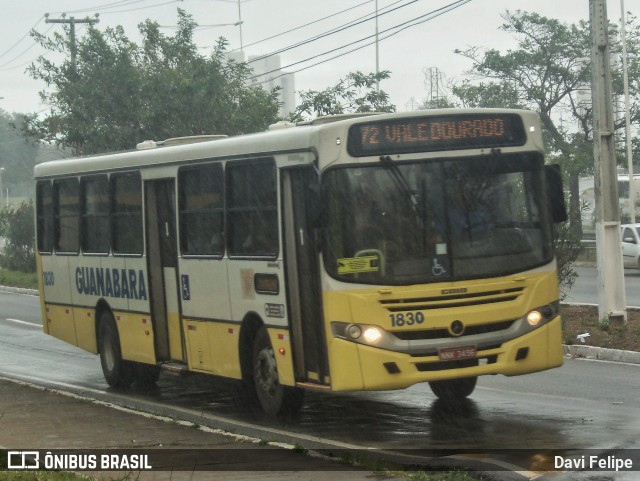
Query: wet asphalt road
pixel 584 404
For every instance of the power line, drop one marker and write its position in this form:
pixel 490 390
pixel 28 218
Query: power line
pixel 341 28
pixel 404 26
pixel 20 55
pixel 292 29
pixel 106 6
pixel 301 26
pixel 400 27
pixel 119 3
pixel 145 8
pixel 21 38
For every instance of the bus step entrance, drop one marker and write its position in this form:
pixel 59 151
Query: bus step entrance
pixel 176 368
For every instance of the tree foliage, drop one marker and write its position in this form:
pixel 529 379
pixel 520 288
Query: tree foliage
pixel 497 94
pixel 118 92
pixel 17 227
pixel 356 93
pixel 550 72
pixel 547 72
pixel 17 156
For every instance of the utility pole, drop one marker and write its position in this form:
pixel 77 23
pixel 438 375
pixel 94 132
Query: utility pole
pixel 72 31
pixel 240 24
pixel 627 116
pixel 377 51
pixel 611 295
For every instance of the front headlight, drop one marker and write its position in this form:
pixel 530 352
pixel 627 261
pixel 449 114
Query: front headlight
pixel 372 335
pixel 540 315
pixel 360 333
pixel 534 318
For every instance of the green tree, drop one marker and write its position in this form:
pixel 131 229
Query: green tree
pixel 356 93
pixel 119 92
pixel 17 227
pixel 17 157
pixel 550 72
pixel 497 94
pixel 438 103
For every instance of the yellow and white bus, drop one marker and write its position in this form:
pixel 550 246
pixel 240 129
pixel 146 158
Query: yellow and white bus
pixel 346 254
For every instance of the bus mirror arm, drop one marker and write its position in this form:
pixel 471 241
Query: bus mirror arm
pixel 555 193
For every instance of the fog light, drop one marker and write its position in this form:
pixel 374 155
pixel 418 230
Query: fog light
pixel 372 335
pixel 354 332
pixel 534 318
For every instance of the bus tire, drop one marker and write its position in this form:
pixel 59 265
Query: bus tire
pixel 273 397
pixel 453 389
pixel 117 372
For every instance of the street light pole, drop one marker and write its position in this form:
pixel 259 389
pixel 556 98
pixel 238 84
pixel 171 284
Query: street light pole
pixel 377 51
pixel 625 76
pixel 240 24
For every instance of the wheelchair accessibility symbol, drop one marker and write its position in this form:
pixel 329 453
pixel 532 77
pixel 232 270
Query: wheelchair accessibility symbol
pixel 438 269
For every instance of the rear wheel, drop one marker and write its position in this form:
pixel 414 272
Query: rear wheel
pixel 273 397
pixel 117 372
pixel 453 389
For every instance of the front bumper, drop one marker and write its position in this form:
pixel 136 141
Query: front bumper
pixel 361 367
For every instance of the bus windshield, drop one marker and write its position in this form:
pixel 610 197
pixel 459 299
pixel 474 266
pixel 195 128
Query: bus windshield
pixel 420 222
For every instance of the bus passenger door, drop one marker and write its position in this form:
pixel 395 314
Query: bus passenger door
pixel 303 277
pixel 162 261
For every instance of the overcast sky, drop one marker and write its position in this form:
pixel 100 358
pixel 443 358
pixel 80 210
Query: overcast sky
pixel 407 54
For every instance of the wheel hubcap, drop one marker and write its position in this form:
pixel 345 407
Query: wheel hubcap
pixel 109 357
pixel 266 372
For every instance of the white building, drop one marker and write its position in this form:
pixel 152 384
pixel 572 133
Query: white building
pixel 267 73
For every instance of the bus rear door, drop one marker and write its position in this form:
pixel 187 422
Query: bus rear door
pixel 162 259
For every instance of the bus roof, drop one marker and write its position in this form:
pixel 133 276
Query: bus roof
pixel 303 137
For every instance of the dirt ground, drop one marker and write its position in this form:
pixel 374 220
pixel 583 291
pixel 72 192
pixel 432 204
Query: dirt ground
pixel 584 319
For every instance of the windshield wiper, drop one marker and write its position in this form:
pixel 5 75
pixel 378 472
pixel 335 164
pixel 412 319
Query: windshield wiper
pixel 401 181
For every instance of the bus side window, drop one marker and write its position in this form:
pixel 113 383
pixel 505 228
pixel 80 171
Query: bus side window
pixel 252 203
pixel 45 216
pixel 95 214
pixel 67 215
pixel 127 213
pixel 201 191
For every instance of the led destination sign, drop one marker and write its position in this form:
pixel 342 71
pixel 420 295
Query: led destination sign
pixel 428 134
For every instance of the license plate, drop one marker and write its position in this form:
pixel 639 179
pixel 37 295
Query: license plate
pixel 454 353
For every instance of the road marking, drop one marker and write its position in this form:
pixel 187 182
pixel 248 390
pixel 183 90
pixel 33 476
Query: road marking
pixel 18 321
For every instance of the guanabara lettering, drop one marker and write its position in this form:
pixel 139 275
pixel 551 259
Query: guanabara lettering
pixel 122 283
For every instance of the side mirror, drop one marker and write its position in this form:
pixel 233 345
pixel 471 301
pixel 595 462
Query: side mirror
pixel 555 193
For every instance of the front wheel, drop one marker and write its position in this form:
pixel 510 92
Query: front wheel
pixel 453 389
pixel 117 372
pixel 274 398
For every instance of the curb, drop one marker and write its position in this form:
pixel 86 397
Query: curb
pixel 20 290
pixel 602 354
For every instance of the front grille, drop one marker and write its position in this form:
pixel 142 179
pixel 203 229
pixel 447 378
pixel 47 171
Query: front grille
pixel 458 300
pixel 444 333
